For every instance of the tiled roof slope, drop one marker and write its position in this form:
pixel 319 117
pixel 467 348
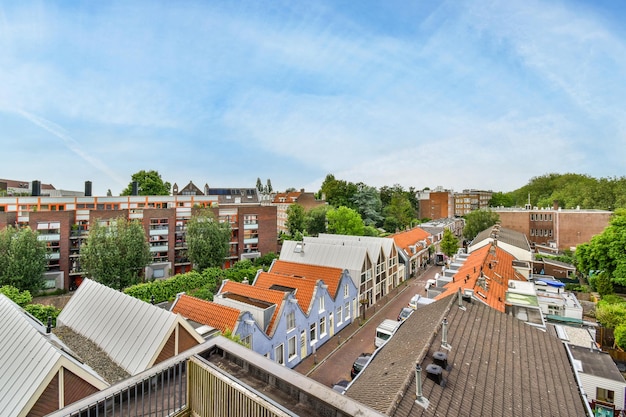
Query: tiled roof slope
pixel 408 238
pixel 500 366
pixel 256 293
pixel 496 265
pixel 305 288
pixel 205 312
pixel 331 276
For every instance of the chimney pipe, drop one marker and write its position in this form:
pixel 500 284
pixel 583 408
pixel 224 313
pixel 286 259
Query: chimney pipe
pixel 135 188
pixel 418 381
pixel 49 326
pixel 36 188
pixel 87 188
pixel 444 334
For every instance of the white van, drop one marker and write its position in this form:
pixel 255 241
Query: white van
pixel 385 330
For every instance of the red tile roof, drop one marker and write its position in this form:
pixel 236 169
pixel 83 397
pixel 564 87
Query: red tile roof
pixel 408 238
pixel 497 268
pixel 331 276
pixel 206 312
pixel 257 293
pixel 290 197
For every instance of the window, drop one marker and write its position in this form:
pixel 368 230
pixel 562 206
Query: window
pixel 291 348
pixel 247 341
pixel 322 327
pixel 291 321
pixel 346 311
pixel 279 354
pixel 321 303
pixel 313 332
pixel 339 316
pixel 346 291
pixel 605 395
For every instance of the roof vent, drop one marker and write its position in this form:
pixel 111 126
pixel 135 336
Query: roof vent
pixel 441 359
pixel 435 373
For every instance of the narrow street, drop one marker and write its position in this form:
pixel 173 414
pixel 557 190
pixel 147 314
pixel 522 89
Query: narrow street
pixel 334 359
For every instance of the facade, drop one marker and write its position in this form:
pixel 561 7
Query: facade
pixel 436 204
pixel 130 333
pixel 283 201
pixel 39 376
pixel 413 248
pixel 470 200
pixel 555 229
pixel 63 223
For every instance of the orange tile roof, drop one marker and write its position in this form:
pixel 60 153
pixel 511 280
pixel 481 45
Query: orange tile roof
pixel 206 312
pixel 257 293
pixel 496 268
pixel 408 238
pixel 304 287
pixel 331 276
pixel 290 197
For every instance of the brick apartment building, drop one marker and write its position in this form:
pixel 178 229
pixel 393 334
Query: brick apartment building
pixel 470 200
pixel 436 204
pixel 555 229
pixel 63 222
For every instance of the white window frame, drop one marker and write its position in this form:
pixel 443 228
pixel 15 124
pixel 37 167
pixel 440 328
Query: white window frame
pixel 279 359
pixel 323 329
pixel 291 343
pixel 339 315
pixel 322 304
pixel 313 332
pixel 291 321
pixel 346 311
pixel 346 291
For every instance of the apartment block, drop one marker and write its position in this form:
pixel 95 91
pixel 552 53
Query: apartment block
pixel 470 200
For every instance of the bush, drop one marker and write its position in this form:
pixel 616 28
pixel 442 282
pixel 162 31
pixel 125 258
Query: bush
pixel 21 298
pixel 42 312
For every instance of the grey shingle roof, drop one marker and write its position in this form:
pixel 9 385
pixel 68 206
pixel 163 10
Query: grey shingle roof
pixel 500 367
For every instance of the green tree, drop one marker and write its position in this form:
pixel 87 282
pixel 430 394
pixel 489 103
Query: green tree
pixel 367 202
pixel 611 315
pixel 22 259
pixel 259 185
pixel 449 243
pixel 115 253
pixel 500 199
pixel 338 192
pixel 605 252
pixel 315 220
pixel 604 285
pixel 478 220
pixel 295 219
pixel 268 187
pixel 207 240
pixel 150 183
pixel 344 221
pixel 398 213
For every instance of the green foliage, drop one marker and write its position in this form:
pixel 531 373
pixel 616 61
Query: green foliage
pixel 42 312
pixel 150 183
pixel 315 220
pixel 611 299
pixel 398 213
pixel 611 315
pixel 22 259
pixel 203 293
pixel 338 192
pixel 370 231
pixel 344 221
pixel 605 252
pixel 207 240
pixel 500 199
pixel 449 243
pixel 604 285
pixel 620 335
pixel 366 201
pixel 115 254
pixel 478 220
pixel 228 333
pixel 21 298
pixel 295 219
pixel 265 261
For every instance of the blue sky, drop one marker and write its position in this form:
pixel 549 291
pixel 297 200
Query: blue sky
pixel 472 94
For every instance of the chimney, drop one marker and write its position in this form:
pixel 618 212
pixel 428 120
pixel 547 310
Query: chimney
pixel 444 334
pixel 36 188
pixel 555 204
pixel 87 188
pixel 419 398
pixel 435 373
pixel 441 359
pixel 135 188
pixel 49 326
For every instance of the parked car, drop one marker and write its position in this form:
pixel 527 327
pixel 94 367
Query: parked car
pixel 341 385
pixel 359 364
pixel 405 313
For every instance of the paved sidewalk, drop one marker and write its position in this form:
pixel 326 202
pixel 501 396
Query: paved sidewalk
pixel 312 362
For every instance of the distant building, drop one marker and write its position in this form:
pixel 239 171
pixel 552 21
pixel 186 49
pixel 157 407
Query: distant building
pixel 470 200
pixel 554 229
pixel 283 201
pixel 436 204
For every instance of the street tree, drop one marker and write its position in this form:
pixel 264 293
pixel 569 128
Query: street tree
pixel 605 253
pixel 115 252
pixel 207 240
pixel 149 182
pixel 22 259
pixel 478 220
pixel 295 219
pixel 344 221
pixel 315 220
pixel 449 243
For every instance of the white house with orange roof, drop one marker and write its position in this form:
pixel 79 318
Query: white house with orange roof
pixel 413 249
